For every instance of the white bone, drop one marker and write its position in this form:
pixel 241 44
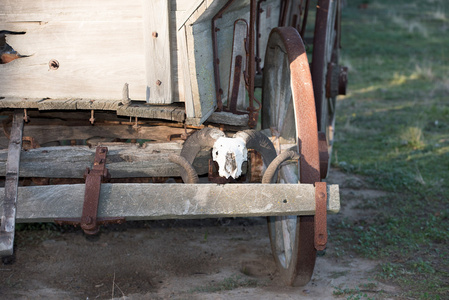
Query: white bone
pixel 229 153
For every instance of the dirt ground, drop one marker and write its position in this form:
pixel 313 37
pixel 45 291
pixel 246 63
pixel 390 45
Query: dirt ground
pixel 183 259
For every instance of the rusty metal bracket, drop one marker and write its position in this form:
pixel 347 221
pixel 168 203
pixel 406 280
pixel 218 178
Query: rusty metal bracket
pixel 89 221
pixel 215 29
pixel 250 73
pixel 320 220
pixel 32 143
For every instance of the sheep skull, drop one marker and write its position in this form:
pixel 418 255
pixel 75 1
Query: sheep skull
pixel 229 153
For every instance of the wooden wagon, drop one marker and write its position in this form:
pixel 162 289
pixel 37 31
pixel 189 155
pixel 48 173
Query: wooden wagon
pixel 160 100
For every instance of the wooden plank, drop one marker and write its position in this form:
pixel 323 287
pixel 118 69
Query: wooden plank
pixel 88 68
pixel 7 102
pixel 98 104
pixel 13 11
pixel 10 195
pixel 172 113
pixel 56 104
pixel 187 84
pixel 157 51
pixel 173 201
pixel 268 20
pixel 229 119
pixel 123 161
pixel 192 72
pixel 50 133
pixel 135 109
pixel 188 13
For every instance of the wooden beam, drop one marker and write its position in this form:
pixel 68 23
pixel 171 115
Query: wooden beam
pixel 228 118
pixel 157 51
pixel 8 217
pixel 187 84
pixel 135 109
pixel 50 133
pixel 123 161
pixel 173 201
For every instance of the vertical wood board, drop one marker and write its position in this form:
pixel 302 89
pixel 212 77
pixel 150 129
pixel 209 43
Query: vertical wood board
pixel 157 51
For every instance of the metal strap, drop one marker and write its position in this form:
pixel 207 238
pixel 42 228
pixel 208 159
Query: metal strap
pixel 94 177
pixel 320 215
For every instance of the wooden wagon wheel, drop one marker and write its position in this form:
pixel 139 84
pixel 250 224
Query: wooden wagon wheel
pixel 288 109
pixel 325 69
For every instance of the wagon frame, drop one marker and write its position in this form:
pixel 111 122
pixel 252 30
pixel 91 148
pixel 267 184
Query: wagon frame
pixel 193 118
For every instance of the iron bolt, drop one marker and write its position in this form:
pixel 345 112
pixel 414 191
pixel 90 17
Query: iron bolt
pixel 158 82
pixel 87 220
pixel 53 64
pixel 154 34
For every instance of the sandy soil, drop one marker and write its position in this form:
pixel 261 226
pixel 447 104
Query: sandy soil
pixel 194 259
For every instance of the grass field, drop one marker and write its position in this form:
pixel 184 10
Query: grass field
pixel 393 128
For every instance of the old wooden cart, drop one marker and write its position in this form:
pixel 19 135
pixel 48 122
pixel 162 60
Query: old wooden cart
pixel 151 91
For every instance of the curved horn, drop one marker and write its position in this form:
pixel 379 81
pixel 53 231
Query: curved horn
pixel 191 176
pixel 272 168
pixel 206 137
pixel 261 143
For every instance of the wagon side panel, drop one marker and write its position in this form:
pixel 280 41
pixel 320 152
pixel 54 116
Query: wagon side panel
pixel 97 46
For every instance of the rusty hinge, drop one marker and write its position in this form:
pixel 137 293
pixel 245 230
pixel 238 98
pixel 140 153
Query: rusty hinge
pixel 320 216
pixel 94 177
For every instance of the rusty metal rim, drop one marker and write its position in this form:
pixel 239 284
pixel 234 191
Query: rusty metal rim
pixel 303 259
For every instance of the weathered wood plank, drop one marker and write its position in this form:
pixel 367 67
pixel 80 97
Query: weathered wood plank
pixel 157 51
pixel 13 11
pixel 173 201
pixel 88 68
pixel 187 14
pixel 187 84
pixel 56 104
pixel 19 103
pixel 123 161
pixel 229 119
pixel 135 109
pixel 269 19
pixel 9 205
pixel 50 133
pixel 172 113
pixel 99 104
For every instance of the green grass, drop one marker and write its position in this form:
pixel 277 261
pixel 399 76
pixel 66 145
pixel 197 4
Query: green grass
pixel 393 128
